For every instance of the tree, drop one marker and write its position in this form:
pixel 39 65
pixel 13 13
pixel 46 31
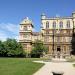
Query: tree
pixel 2 49
pixel 11 48
pixel 38 49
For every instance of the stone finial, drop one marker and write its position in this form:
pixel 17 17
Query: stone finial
pixel 27 18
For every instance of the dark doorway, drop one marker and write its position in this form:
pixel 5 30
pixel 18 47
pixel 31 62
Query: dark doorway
pixel 58 55
pixel 58 48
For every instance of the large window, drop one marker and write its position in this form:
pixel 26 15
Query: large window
pixel 25 28
pixel 68 24
pixel 47 25
pixel 47 32
pixel 61 24
pixel 25 46
pixel 54 24
pixel 25 36
pixel 46 39
pixel 58 39
pixel 68 31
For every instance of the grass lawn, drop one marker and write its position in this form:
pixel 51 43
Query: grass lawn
pixel 18 66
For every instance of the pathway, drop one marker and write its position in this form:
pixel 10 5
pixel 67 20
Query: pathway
pixel 49 67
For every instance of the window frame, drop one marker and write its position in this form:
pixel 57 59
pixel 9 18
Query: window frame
pixel 54 24
pixel 60 24
pixel 25 28
pixel 47 25
pixel 68 24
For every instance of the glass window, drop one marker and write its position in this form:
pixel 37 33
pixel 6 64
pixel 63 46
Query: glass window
pixel 25 36
pixel 25 46
pixel 47 25
pixel 58 39
pixel 70 48
pixel 25 28
pixel 46 39
pixel 61 24
pixel 68 32
pixel 68 24
pixel 54 24
pixel 64 39
pixel 47 32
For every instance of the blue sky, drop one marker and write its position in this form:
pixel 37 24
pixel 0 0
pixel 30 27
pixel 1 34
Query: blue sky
pixel 13 11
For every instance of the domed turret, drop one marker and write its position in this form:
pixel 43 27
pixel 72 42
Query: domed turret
pixel 73 14
pixel 26 21
pixel 43 16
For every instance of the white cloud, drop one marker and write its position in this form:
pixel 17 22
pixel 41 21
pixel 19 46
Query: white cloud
pixel 9 30
pixel 34 30
pixel 9 27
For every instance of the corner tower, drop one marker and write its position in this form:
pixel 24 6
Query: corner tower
pixel 25 34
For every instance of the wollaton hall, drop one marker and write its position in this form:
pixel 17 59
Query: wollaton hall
pixel 56 34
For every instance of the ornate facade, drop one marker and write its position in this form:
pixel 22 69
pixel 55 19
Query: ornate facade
pixel 56 34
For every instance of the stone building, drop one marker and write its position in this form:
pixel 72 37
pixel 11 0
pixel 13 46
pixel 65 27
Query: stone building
pixel 56 34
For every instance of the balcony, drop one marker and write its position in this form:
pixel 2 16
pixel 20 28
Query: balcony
pixel 48 34
pixel 26 41
pixel 63 34
pixel 57 43
pixel 25 31
pixel 56 34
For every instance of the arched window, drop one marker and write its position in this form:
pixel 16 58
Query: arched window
pixel 46 39
pixel 25 28
pixel 54 24
pixel 47 25
pixel 61 24
pixel 68 24
pixel 47 32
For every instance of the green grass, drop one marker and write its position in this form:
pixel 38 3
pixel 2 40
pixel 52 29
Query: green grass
pixel 18 66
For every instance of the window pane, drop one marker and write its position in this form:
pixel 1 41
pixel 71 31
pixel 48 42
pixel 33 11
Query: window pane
pixel 61 24
pixel 47 24
pixel 68 24
pixel 25 28
pixel 54 24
